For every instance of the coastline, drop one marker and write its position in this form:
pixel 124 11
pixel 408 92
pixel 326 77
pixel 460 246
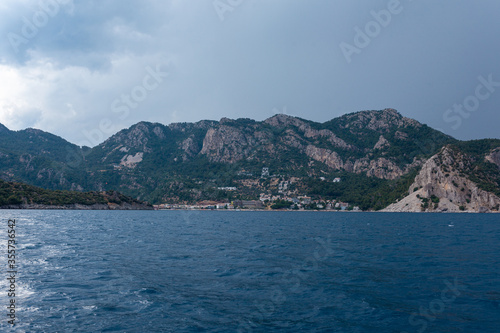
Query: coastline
pixel 109 206
pixel 128 206
pixel 328 211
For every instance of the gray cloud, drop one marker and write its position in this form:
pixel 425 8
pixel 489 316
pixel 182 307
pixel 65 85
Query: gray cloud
pixel 264 56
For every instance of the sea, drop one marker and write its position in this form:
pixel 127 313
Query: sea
pixel 241 271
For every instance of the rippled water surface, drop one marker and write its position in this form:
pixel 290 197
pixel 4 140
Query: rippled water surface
pixel 178 271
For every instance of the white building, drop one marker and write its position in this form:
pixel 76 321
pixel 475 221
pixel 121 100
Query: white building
pixel 264 197
pixel 265 172
pixel 283 186
pixel 227 188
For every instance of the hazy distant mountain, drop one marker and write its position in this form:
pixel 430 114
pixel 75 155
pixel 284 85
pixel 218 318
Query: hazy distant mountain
pixel 377 154
pixel 36 157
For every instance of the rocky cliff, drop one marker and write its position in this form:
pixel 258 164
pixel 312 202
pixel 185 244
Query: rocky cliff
pixel 444 184
pixel 230 142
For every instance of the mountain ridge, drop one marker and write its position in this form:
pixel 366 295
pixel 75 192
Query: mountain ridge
pixel 189 162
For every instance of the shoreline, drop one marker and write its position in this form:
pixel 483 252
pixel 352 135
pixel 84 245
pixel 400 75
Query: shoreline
pixel 136 207
pixel 325 211
pixel 109 206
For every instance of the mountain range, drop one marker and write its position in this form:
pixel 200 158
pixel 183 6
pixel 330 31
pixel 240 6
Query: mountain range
pixel 382 159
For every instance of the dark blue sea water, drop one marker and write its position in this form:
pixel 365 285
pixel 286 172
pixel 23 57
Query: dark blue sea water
pixel 177 271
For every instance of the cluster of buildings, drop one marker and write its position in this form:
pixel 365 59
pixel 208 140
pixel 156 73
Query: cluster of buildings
pixel 301 203
pixel 212 205
pixel 200 205
pixel 227 188
pixel 305 202
pixel 266 200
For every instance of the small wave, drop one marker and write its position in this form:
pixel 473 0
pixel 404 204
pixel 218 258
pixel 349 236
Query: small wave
pixel 29 246
pixel 89 307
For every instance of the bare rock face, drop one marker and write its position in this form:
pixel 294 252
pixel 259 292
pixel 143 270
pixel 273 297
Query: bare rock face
pixel 494 157
pixel 330 158
pixel 379 121
pixel 383 168
pixel 183 127
pixel 139 135
pixel 131 161
pixel 293 139
pixel 226 144
pixel 189 147
pixel 381 143
pixel 401 135
pixel 440 181
pixel 136 137
pixel 335 140
pixel 283 120
pixel 76 187
pixel 159 132
pixel 380 168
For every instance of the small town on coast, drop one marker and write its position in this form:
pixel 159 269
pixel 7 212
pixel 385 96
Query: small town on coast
pixel 281 198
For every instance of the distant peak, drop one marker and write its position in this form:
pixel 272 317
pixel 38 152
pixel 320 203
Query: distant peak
pixel 377 120
pixel 281 119
pixel 3 128
pixel 374 113
pixel 142 124
pixel 34 131
pixel 392 111
pixel 281 116
pixel 224 120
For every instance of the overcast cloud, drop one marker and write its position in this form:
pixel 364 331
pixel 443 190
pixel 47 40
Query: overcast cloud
pixel 85 69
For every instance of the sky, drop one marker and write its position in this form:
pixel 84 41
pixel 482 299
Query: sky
pixel 85 69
